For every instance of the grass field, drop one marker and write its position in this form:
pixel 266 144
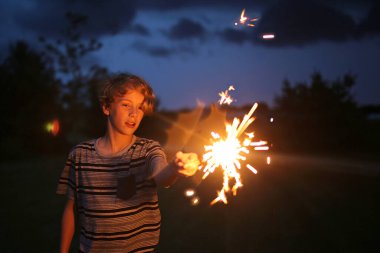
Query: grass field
pixel 297 204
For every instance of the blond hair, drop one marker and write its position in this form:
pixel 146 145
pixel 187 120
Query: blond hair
pixel 120 84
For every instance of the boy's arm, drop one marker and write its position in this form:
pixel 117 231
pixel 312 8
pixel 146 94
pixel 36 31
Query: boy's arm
pixel 68 226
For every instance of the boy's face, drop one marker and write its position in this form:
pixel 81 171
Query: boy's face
pixel 125 112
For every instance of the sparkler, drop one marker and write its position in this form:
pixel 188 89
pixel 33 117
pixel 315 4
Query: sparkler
pixel 227 153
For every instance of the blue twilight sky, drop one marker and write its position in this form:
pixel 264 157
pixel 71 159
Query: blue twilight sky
pixel 191 50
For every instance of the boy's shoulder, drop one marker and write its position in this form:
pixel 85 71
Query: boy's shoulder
pixel 145 141
pixel 84 145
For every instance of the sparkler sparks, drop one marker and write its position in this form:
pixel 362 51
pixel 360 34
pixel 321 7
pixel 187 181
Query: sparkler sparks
pixel 244 20
pixel 225 98
pixel 195 201
pixel 268 36
pixel 228 152
pixel 189 193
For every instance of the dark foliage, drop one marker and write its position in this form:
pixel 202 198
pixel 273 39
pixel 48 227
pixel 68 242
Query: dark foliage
pixel 82 117
pixel 320 116
pixel 30 99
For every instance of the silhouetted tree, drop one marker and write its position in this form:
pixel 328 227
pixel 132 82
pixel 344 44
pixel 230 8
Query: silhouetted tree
pixel 372 131
pixel 30 99
pixel 79 90
pixel 319 116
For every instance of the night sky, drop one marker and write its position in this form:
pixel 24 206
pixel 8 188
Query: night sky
pixel 191 50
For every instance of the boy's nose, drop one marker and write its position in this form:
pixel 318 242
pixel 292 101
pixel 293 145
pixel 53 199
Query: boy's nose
pixel 133 112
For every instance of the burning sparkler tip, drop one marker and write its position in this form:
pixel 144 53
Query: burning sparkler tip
pixel 228 151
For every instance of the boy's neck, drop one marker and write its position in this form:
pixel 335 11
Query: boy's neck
pixel 113 144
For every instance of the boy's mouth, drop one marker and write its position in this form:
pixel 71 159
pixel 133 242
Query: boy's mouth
pixel 130 124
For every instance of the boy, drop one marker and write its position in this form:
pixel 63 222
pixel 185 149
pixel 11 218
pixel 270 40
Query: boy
pixel 111 181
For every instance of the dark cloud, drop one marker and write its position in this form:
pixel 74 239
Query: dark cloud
pixel 297 23
pixel 186 29
pixel 235 36
pixel 371 24
pixel 162 51
pixel 48 17
pixel 155 51
pixel 178 4
pixel 139 30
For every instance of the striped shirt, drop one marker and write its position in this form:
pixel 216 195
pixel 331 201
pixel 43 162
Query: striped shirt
pixel 116 197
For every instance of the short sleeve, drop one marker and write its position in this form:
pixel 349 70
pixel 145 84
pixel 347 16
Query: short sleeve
pixel 156 159
pixel 66 183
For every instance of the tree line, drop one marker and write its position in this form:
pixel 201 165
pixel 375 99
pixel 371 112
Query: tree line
pixel 39 86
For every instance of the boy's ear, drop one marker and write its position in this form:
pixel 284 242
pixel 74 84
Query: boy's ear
pixel 106 110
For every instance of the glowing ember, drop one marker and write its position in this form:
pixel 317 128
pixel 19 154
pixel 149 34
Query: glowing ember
pixel 189 193
pixel 261 148
pixel 195 201
pixel 244 20
pixel 225 98
pixel 268 36
pixel 268 160
pixel 53 127
pixel 227 153
pixel 251 168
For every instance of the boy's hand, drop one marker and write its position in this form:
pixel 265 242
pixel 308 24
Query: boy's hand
pixel 188 163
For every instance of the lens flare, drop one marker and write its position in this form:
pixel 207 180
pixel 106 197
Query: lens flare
pixel 53 127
